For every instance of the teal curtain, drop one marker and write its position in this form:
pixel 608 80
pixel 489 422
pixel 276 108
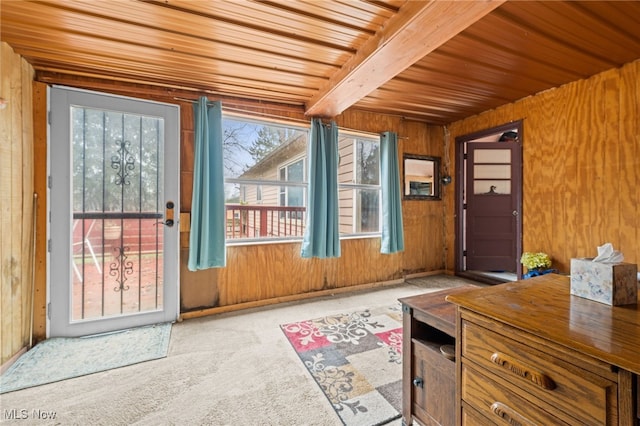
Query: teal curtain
pixel 322 236
pixel 207 235
pixel 392 227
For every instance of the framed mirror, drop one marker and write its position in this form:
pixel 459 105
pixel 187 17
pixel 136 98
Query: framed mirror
pixel 421 177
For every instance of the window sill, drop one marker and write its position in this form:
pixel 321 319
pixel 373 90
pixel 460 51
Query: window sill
pixel 240 243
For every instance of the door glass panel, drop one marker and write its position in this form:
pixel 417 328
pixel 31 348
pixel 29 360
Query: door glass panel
pixel 492 171
pixel 492 156
pixel 490 187
pixel 117 204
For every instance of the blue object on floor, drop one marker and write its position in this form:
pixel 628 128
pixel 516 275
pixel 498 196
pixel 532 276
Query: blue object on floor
pixel 537 272
pixel 62 358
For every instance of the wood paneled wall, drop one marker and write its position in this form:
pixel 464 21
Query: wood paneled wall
pixel 581 189
pixel 267 273
pixel 16 203
pixel 581 168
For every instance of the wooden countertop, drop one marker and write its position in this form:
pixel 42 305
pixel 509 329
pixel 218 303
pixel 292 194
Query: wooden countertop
pixel 543 306
pixel 432 308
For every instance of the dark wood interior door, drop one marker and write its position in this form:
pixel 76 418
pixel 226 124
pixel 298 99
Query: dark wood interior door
pixel 493 182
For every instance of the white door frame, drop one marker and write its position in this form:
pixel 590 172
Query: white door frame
pixel 59 209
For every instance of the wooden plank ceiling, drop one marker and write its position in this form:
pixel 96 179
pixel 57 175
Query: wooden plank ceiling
pixel 434 61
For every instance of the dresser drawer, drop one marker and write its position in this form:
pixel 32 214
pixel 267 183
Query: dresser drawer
pixel 471 417
pixel 499 404
pixel 539 376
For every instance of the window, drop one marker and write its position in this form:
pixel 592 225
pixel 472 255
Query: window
pixel 265 179
pixel 292 196
pixel 359 191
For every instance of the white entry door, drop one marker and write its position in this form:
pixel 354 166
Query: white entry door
pixel 114 205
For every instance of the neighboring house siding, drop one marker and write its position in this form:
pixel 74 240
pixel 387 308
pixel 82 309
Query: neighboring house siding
pixel 345 198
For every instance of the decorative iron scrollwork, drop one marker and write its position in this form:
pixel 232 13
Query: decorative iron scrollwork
pixel 120 268
pixel 123 162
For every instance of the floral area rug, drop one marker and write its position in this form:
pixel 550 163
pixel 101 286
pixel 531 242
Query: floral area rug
pixel 356 359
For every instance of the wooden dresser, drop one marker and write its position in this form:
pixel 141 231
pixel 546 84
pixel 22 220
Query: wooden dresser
pixel 428 375
pixel 530 353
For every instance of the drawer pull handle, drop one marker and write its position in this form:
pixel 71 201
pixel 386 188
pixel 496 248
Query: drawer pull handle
pixel 523 370
pixel 509 415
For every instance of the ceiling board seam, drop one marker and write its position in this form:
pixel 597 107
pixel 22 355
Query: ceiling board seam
pixel 253 27
pixel 382 5
pixel 285 6
pixel 554 38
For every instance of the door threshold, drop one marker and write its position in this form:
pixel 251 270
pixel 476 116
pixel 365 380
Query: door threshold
pixel 488 277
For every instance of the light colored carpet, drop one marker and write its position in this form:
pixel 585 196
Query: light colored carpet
pixel 63 358
pixel 229 369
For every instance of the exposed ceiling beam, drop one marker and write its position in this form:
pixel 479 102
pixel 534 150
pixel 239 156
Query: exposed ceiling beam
pixel 419 28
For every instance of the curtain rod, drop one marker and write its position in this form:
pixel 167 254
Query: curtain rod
pixel 193 101
pixel 248 113
pixel 283 120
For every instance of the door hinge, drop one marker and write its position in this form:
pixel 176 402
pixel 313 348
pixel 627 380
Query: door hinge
pixel 49 245
pixel 465 156
pixel 49 310
pixel 464 206
pixel 49 181
pixel 464 252
pixel 49 117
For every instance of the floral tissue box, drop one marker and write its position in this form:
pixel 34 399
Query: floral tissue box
pixel 611 283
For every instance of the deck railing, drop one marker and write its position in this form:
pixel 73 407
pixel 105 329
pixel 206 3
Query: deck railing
pixel 253 221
